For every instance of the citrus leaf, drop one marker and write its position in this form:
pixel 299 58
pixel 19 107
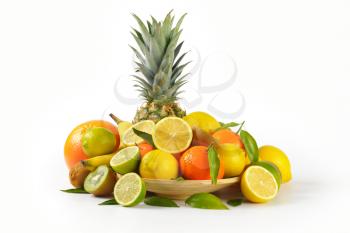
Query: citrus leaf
pixel 235 202
pixel 109 202
pixel 160 201
pixel 214 164
pixel 240 128
pixel 180 178
pixel 76 190
pixel 250 146
pixel 227 125
pixel 205 201
pixel 147 137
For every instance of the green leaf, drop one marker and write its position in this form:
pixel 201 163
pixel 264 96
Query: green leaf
pixel 76 190
pixel 160 201
pixel 180 178
pixel 240 128
pixel 205 201
pixel 227 125
pixel 214 164
pixel 235 202
pixel 250 146
pixel 109 202
pixel 147 137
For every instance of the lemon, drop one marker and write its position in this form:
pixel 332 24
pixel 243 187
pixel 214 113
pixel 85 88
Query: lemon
pixel 279 158
pixel 130 138
pixel 203 121
pixel 126 160
pixel 129 190
pixel 172 135
pixel 233 159
pixel 258 184
pixel 158 164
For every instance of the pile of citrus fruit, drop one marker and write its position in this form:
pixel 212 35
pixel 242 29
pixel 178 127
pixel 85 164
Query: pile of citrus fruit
pixel 113 160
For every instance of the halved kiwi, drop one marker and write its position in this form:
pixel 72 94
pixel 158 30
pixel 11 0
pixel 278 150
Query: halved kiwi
pixel 78 174
pixel 101 181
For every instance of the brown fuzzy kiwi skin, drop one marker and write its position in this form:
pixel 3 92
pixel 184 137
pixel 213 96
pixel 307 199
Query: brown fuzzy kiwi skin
pixel 77 175
pixel 106 188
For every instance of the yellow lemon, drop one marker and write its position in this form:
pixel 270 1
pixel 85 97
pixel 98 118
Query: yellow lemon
pixel 158 164
pixel 233 159
pixel 129 138
pixel 203 121
pixel 279 158
pixel 258 184
pixel 172 135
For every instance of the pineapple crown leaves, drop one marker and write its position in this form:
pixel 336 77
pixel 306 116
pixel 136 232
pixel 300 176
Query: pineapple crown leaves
pixel 159 59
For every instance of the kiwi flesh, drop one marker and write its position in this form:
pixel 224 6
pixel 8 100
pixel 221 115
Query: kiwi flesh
pixel 101 181
pixel 77 175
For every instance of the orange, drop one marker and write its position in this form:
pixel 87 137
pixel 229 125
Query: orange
pixel 144 148
pixel 227 136
pixel 73 151
pixel 194 164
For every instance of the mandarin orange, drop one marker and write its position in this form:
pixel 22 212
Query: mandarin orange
pixel 194 164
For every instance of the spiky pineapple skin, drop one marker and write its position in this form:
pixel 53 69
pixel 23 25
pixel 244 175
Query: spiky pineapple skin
pixel 156 111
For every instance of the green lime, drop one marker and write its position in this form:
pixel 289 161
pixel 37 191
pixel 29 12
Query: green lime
pixel 130 190
pixel 272 168
pixel 98 141
pixel 205 201
pixel 126 160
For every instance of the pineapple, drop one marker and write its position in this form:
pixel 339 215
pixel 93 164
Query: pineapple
pixel 159 68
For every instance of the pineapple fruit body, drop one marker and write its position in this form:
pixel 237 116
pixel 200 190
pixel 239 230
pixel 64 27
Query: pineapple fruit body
pixel 155 112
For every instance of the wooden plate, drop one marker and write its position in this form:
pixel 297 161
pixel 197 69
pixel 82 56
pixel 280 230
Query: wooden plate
pixel 181 189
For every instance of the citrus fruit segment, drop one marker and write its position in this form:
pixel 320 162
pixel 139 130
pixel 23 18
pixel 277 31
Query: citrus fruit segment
pixel 203 121
pixel 129 138
pixel 258 184
pixel 172 135
pixel 100 182
pixel 126 160
pixel 279 158
pixel 271 168
pixel 130 190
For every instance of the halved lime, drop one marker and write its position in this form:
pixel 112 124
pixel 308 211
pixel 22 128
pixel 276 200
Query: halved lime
pixel 130 190
pixel 126 160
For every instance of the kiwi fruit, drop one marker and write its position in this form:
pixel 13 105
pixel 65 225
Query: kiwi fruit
pixel 77 175
pixel 101 181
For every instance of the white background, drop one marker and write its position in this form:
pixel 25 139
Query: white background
pixel 59 61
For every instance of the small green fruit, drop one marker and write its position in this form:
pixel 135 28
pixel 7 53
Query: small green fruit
pixel 101 181
pixel 98 141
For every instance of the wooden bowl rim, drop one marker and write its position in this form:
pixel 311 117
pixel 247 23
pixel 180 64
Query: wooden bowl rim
pixel 220 181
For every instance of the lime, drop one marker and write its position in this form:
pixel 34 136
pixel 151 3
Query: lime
pixel 258 184
pixel 129 138
pixel 126 160
pixel 172 135
pixel 279 158
pixel 203 121
pixel 130 190
pixel 98 141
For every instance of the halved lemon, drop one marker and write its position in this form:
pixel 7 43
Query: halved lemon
pixel 130 138
pixel 172 135
pixel 258 184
